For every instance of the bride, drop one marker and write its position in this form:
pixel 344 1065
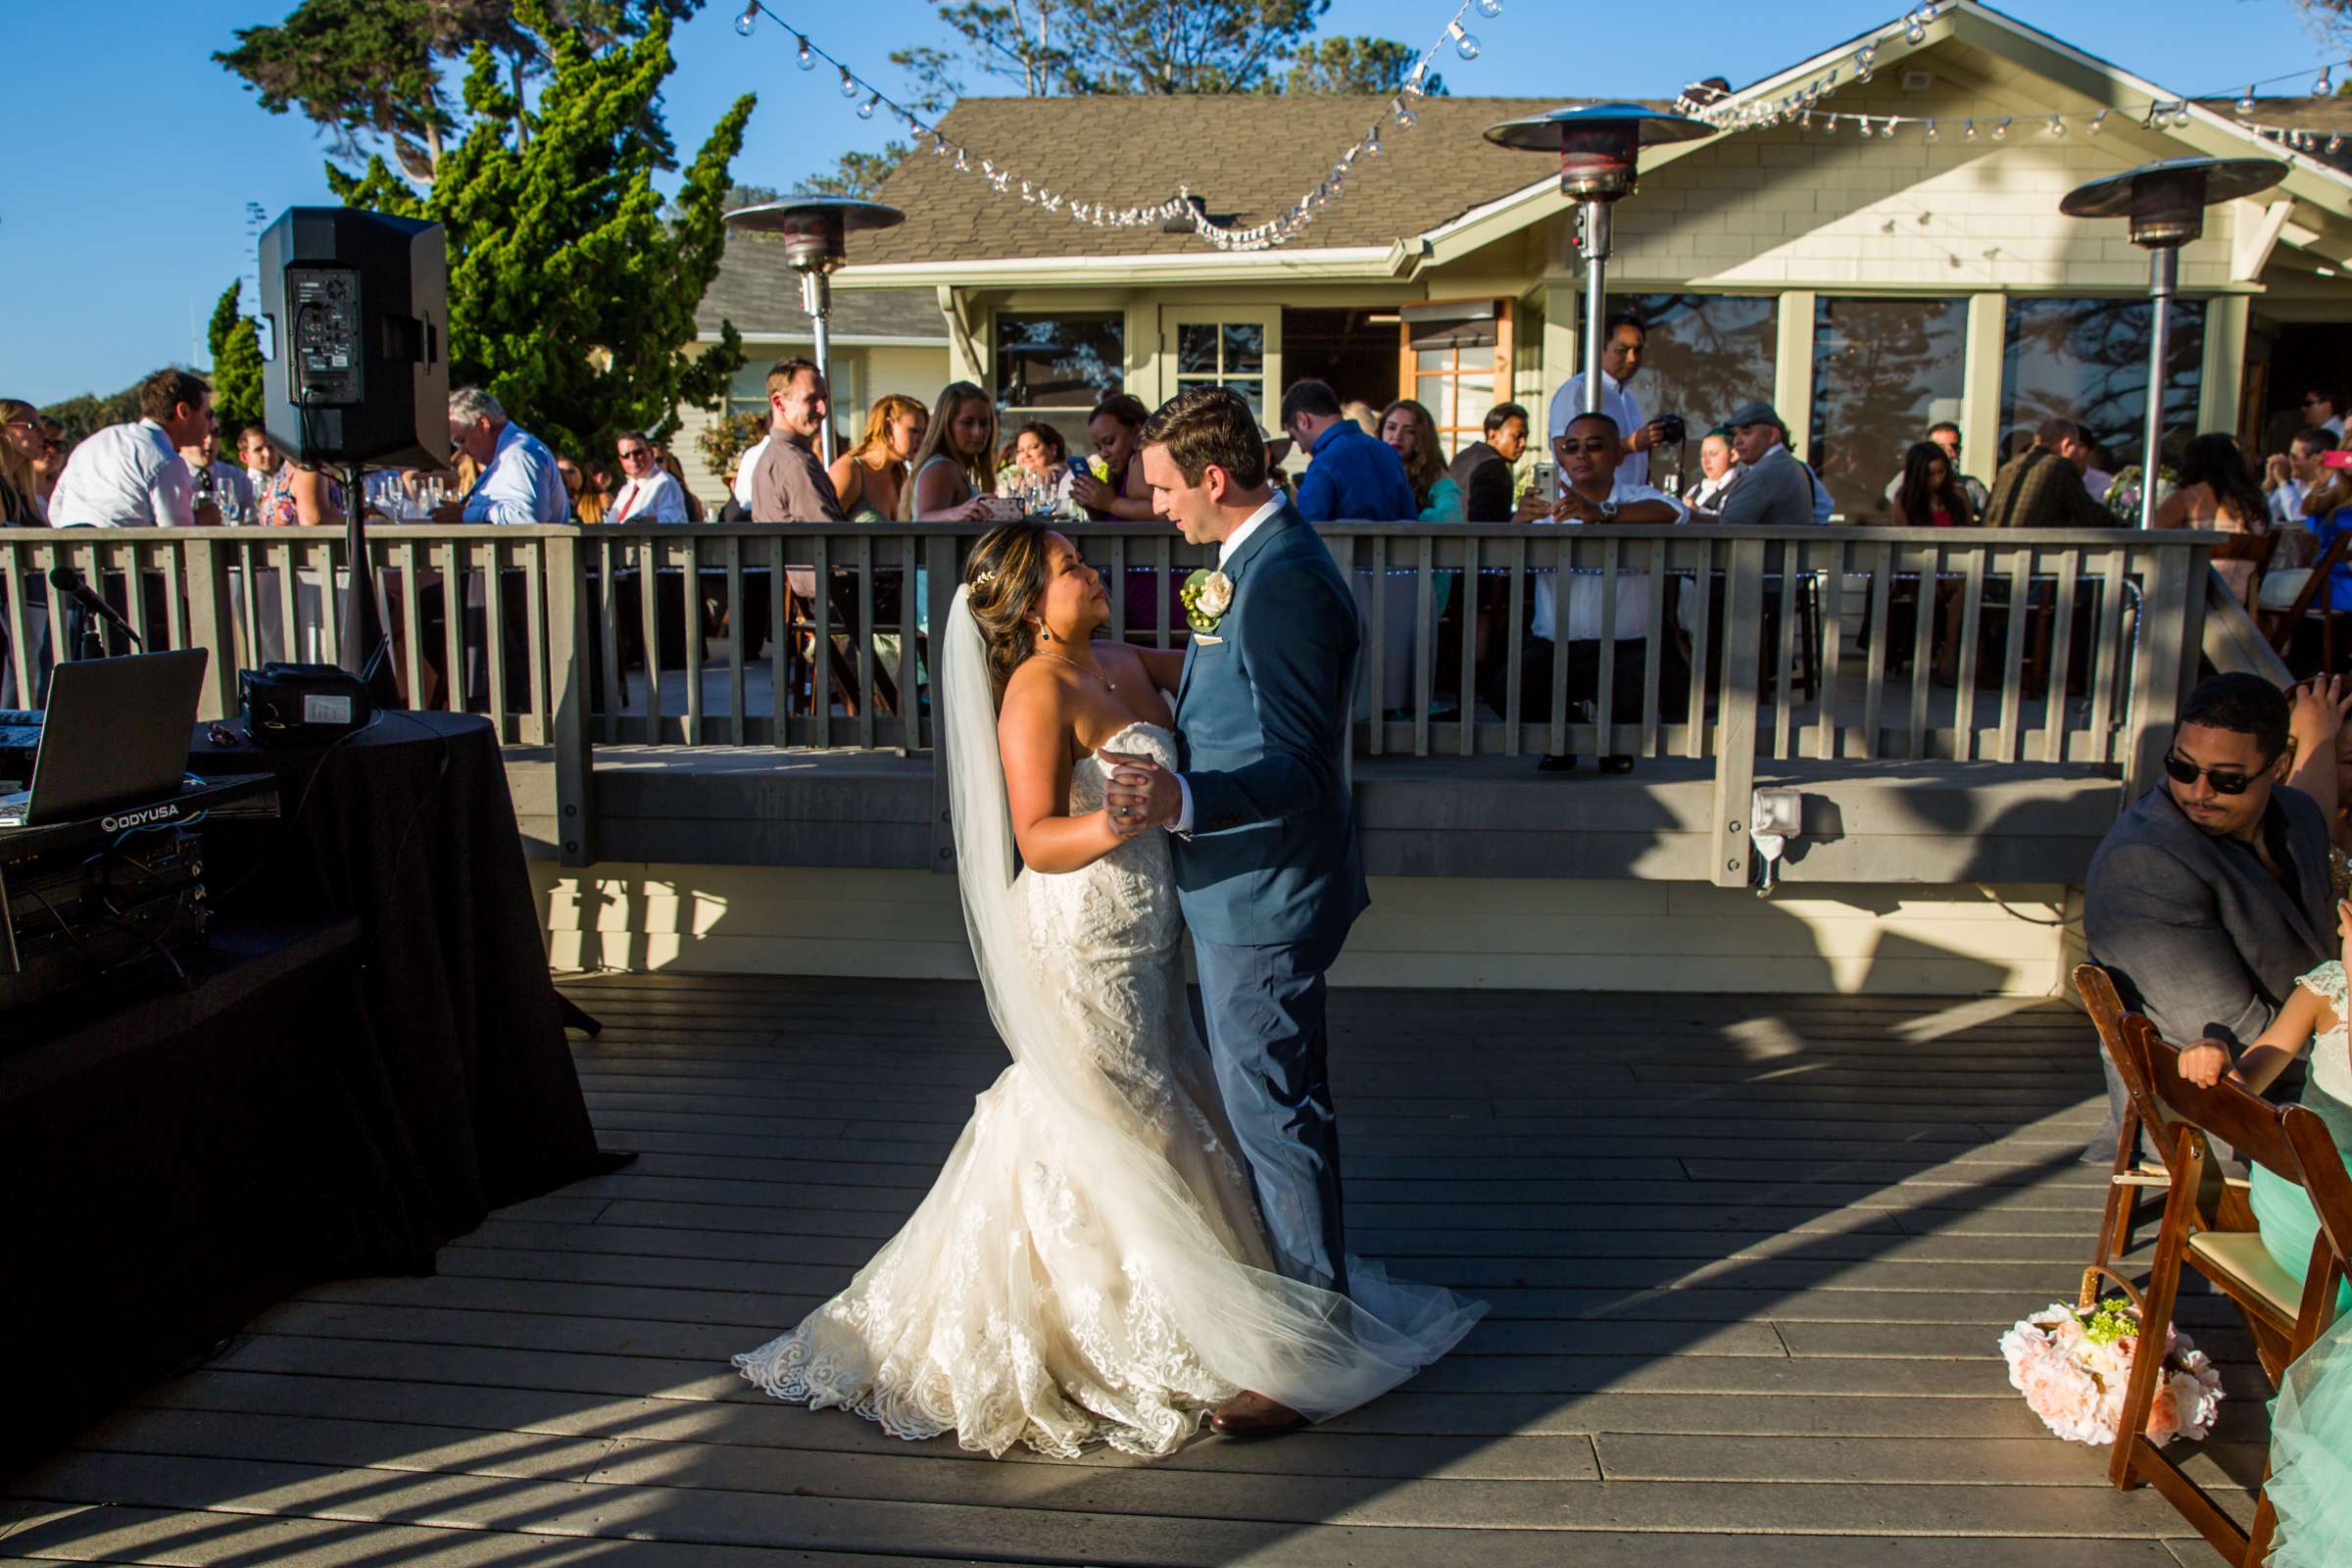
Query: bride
pixel 1090 1267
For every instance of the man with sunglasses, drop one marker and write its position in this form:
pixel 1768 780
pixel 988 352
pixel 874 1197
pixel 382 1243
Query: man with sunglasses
pixel 2318 413
pixel 652 494
pixel 2210 894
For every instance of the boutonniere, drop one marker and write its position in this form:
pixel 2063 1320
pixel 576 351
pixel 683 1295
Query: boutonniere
pixel 1206 595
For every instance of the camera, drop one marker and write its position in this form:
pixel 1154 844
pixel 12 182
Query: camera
pixel 1671 429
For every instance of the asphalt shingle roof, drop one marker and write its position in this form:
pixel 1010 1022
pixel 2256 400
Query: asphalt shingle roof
pixel 1248 156
pixel 762 296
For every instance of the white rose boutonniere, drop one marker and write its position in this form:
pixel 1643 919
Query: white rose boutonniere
pixel 1207 594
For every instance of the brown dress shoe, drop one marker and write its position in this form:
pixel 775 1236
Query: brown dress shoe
pixel 1253 1415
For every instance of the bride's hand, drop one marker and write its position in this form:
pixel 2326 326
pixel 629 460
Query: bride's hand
pixel 1142 788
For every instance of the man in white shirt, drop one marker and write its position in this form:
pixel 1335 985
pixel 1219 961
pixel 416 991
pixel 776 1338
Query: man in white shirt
pixel 2318 413
pixel 217 481
pixel 650 494
pixel 518 483
pixel 2290 474
pixel 132 475
pixel 1594 489
pixel 1620 363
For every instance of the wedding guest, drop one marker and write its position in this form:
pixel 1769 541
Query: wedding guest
pixel 2096 478
pixel 1410 433
pixel 219 480
pixel 2217 490
pixel 46 466
pixel 298 496
pixel 1119 490
pixel 1039 451
pixel 2209 894
pixel 1823 507
pixel 792 485
pixel 518 481
pixel 1621 357
pixel 2289 478
pixel 649 494
pixel 1358 412
pixel 1483 469
pixel 1594 489
pixel 953 477
pixel 2042 487
pixel 1350 476
pixel 2318 413
pixel 258 456
pixel 676 471
pixel 871 475
pixel 1931 495
pixel 585 507
pixel 747 468
pixel 1945 435
pixel 1718 467
pixel 20 448
pixel 132 475
pixel 1776 491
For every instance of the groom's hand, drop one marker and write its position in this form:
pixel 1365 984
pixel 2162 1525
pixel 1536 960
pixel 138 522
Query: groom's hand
pixel 1142 788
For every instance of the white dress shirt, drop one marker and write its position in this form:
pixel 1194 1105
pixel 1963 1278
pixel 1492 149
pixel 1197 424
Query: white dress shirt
pixel 2286 503
pixel 1707 494
pixel 1231 542
pixel 656 498
pixel 520 484
pixel 1619 405
pixel 748 466
pixel 1585 587
pixel 125 476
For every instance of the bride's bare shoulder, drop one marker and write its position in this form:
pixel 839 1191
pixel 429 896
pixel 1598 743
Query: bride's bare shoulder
pixel 1035 698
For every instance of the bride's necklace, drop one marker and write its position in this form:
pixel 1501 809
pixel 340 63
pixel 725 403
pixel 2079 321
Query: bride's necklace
pixel 1108 684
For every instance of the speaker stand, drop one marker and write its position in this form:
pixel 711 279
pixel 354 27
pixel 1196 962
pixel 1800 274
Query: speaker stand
pixel 365 650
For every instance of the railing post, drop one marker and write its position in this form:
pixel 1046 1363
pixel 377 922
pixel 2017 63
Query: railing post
pixel 2166 637
pixel 209 620
pixel 567 695
pixel 1736 708
pixel 940 567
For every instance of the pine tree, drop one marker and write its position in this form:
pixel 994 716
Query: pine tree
pixel 237 349
pixel 571 294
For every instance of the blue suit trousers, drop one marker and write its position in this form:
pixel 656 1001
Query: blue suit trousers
pixel 1268 1039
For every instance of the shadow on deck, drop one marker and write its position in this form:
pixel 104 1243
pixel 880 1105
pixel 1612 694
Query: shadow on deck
pixel 1748 1258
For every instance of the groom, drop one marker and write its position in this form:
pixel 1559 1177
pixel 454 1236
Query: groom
pixel 1267 865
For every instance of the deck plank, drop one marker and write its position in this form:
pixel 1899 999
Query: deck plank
pixel 1748 1259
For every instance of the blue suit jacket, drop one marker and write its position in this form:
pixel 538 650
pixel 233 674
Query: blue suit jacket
pixel 1262 718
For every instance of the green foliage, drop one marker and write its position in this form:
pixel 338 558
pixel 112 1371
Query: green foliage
pixel 1357 65
pixel 237 349
pixel 89 411
pixel 724 440
pixel 859 175
pixel 573 287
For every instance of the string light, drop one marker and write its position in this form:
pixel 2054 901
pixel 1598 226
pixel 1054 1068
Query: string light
pixel 2245 104
pixel 2001 130
pixel 1931 133
pixel 1968 130
pixel 2058 126
pixel 1182 208
pixel 2325 86
pixel 2098 123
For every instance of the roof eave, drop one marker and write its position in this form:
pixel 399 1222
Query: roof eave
pixel 1334 262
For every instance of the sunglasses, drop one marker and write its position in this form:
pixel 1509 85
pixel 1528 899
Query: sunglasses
pixel 2313 402
pixel 634 452
pixel 2185 772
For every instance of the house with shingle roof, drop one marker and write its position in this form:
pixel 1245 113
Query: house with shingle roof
pixel 1894 257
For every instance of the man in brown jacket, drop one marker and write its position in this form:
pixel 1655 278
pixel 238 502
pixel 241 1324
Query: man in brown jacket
pixel 2041 487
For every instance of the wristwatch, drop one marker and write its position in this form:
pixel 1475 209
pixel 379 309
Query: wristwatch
pixel 1608 510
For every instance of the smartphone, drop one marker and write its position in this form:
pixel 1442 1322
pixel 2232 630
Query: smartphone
pixel 2338 459
pixel 1542 482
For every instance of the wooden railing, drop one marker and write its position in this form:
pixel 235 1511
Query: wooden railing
pixel 1770 647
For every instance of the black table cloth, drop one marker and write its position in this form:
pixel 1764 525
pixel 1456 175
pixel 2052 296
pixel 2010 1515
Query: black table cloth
pixel 409 827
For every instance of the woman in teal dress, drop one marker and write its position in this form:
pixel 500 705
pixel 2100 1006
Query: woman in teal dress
pixel 2311 1422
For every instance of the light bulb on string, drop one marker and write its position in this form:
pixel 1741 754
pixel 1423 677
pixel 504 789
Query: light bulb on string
pixel 848 83
pixel 1405 118
pixel 1466 44
pixel 1829 126
pixel 806 57
pixel 1968 130
pixel 1865 61
pixel 1913 32
pixel 2324 86
pixel 2181 114
pixel 749 20
pixel 2098 123
pixel 1490 9
pixel 1863 126
pixel 2000 131
pixel 2245 104
pixel 2058 125
pixel 2334 143
pixel 1932 134
pixel 1372 142
pixel 1928 11
pixel 964 164
pixel 865 110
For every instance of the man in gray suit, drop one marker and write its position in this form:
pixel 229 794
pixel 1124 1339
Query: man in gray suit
pixel 2211 893
pixel 1776 490
pixel 1267 870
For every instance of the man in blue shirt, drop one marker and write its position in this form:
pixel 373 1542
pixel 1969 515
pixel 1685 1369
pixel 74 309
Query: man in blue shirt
pixel 1352 477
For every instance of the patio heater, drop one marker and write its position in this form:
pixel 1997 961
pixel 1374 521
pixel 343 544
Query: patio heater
pixel 2166 202
pixel 816 230
pixel 1599 147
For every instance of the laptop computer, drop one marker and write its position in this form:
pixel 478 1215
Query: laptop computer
pixel 114 734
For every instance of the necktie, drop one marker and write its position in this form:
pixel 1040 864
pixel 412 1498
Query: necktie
pixel 628 501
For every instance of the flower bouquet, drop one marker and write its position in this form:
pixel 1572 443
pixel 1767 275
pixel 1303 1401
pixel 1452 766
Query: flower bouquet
pixel 2122 496
pixel 2074 1370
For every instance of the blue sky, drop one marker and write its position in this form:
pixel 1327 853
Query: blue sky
pixel 122 214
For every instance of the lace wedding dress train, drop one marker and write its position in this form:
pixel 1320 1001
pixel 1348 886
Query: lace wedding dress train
pixel 1090 1267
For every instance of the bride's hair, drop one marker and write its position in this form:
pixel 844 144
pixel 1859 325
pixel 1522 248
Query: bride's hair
pixel 1006 573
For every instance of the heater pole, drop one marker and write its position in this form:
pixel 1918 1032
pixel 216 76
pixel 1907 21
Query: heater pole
pixel 1596 299
pixel 2164 276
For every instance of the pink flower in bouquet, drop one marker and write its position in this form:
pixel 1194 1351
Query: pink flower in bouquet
pixel 2075 1377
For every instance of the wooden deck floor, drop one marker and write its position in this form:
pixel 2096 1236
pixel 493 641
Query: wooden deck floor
pixel 1748 1262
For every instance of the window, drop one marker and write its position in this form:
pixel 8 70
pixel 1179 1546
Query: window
pixel 1883 370
pixel 1058 362
pixel 1707 353
pixel 1227 354
pixel 1457 356
pixel 2087 361
pixel 747 388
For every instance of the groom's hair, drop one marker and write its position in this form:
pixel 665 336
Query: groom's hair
pixel 1206 425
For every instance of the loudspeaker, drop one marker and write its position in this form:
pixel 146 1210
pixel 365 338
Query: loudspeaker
pixel 355 332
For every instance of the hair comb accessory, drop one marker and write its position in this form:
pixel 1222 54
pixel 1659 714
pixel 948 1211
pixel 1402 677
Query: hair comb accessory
pixel 985 579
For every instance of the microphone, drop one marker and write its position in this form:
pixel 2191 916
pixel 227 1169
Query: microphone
pixel 67 581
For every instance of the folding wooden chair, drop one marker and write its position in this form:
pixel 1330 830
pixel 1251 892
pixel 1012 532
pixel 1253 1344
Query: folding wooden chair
pixel 2132 1175
pixel 2290 1141
pixel 2279 625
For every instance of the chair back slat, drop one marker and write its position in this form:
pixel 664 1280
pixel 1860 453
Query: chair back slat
pixel 2248 1123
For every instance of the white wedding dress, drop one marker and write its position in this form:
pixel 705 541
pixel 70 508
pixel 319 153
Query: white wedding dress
pixel 1090 1267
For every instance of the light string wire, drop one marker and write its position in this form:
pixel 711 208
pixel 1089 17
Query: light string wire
pixel 1184 204
pixel 1729 111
